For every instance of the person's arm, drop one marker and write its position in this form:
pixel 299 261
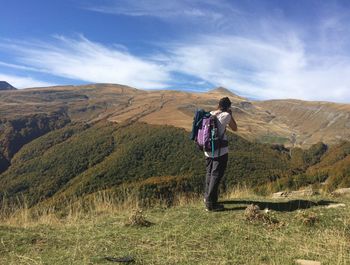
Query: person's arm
pixel 232 124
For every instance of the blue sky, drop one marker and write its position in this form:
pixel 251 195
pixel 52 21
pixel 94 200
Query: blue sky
pixel 258 49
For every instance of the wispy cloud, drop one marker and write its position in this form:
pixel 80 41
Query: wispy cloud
pixel 259 68
pixel 19 67
pixel 246 48
pixel 256 48
pixel 264 68
pixel 166 10
pixel 24 81
pixel 81 59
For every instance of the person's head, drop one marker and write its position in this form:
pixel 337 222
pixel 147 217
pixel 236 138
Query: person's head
pixel 224 104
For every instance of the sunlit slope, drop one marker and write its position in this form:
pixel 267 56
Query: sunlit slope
pixel 271 121
pixel 312 121
pixel 121 103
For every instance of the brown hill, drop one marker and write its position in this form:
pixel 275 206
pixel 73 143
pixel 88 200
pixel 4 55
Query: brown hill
pixel 312 121
pixel 267 121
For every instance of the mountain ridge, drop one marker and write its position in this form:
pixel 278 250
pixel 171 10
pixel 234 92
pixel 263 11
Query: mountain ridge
pixel 80 139
pixel 273 121
pixel 4 86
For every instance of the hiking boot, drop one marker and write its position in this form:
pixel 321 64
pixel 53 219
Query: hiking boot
pixel 215 208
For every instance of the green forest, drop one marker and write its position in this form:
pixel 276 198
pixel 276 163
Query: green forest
pixel 158 161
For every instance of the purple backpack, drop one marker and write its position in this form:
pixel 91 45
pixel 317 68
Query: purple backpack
pixel 208 135
pixel 205 132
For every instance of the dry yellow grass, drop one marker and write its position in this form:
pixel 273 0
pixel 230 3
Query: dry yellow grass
pixel 97 204
pixel 183 234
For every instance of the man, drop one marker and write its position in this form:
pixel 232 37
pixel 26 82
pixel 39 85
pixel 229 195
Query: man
pixel 216 164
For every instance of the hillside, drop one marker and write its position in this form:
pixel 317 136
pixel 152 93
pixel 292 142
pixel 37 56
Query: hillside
pixel 158 161
pixel 75 141
pixel 16 132
pixel 6 86
pixel 81 159
pixel 270 121
pixel 312 121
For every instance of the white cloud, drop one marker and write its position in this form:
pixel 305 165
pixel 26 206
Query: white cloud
pixel 166 10
pixel 264 68
pixel 256 51
pixel 20 67
pixel 81 59
pixel 24 82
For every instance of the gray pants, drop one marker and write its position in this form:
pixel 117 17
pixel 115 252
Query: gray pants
pixel 215 171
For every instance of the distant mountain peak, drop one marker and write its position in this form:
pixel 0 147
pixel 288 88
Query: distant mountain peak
pixel 224 92
pixel 221 90
pixel 6 86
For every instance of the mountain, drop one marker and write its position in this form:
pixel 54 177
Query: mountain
pixel 118 103
pixel 61 143
pixel 6 86
pixel 158 161
pixel 224 92
pixel 312 121
pixel 264 121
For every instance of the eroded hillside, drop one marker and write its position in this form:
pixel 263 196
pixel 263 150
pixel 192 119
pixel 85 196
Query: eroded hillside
pixel 266 121
pixel 312 121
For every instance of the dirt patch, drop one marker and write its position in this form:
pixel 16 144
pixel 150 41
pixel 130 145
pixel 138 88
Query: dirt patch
pixel 253 214
pixel 137 218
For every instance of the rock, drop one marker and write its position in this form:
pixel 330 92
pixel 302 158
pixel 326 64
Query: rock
pixel 281 194
pixel 252 212
pixel 297 193
pixel 343 191
pixel 307 262
pixel 307 192
pixel 246 105
pixel 336 205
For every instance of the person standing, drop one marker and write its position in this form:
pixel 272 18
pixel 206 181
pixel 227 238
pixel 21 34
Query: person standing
pixel 216 163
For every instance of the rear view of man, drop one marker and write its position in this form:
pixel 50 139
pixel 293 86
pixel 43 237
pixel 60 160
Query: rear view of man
pixel 216 162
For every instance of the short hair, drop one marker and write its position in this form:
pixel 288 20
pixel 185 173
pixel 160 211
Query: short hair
pixel 224 104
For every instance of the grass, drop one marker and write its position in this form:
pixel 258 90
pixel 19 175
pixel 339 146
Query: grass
pixel 273 139
pixel 183 234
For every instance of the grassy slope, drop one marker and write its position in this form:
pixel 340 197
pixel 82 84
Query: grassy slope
pixel 80 159
pixel 77 160
pixel 184 234
pixel 317 165
pixel 46 164
pixel 15 133
pixel 335 166
pixel 311 121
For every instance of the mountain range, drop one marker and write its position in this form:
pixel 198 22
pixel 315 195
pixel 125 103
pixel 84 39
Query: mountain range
pixel 60 143
pixel 289 122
